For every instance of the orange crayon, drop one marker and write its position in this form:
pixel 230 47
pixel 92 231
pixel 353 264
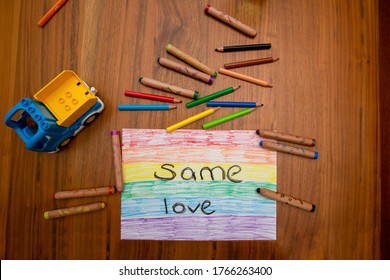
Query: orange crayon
pixel 50 13
pixel 58 213
pixel 235 23
pixel 116 149
pixel 244 77
pixel 85 192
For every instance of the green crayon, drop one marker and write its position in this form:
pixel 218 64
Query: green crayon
pixel 227 118
pixel 211 96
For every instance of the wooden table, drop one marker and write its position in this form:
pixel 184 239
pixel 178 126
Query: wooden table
pixel 325 87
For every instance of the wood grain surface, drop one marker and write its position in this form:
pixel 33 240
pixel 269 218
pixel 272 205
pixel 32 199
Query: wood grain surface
pixel 325 87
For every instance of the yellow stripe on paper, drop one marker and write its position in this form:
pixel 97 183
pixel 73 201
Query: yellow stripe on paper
pixel 141 171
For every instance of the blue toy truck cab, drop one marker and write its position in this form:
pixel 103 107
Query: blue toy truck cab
pixel 59 112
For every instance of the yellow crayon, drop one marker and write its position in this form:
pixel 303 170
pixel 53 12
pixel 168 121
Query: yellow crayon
pixel 192 119
pixel 58 213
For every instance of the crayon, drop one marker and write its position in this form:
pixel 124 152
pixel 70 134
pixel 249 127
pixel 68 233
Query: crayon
pixel 286 137
pixel 251 62
pixel 146 107
pixel 211 96
pixel 227 118
pixel 50 13
pixel 238 48
pixel 85 192
pixel 244 77
pixel 288 149
pixel 117 158
pixel 149 96
pixel 231 104
pixel 235 23
pixel 190 60
pixel 192 119
pixel 188 71
pixel 76 210
pixel 307 206
pixel 169 88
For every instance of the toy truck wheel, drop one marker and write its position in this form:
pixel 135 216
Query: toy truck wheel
pixel 65 143
pixel 90 119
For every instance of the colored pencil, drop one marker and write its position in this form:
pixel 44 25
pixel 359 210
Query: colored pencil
pixel 117 159
pixel 190 60
pixel 169 88
pixel 288 149
pixel 280 136
pixel 244 77
pixel 239 48
pixel 231 104
pixel 81 209
pixel 149 96
pixel 227 118
pixel 192 119
pixel 188 71
pixel 145 107
pixel 50 13
pixel 235 23
pixel 249 62
pixel 304 205
pixel 211 96
pixel 85 192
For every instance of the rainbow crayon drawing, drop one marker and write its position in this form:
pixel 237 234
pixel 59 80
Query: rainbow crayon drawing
pixel 196 185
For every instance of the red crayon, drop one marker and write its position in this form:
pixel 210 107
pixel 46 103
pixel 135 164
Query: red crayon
pixel 152 96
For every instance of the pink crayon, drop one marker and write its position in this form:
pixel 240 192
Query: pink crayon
pixel 116 149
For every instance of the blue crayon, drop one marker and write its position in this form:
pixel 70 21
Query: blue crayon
pixel 145 107
pixel 231 104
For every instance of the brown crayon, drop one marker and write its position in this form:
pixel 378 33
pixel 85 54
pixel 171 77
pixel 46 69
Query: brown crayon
pixel 304 205
pixel 289 150
pixel 286 137
pixel 249 62
pixel 76 210
pixel 85 192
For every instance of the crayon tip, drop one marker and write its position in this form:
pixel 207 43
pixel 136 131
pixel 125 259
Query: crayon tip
pixel 54 195
pixel 258 190
pixel 103 205
pixel 140 78
pixel 276 59
pixel 269 85
pixel 119 191
pixel 169 46
pixel 206 9
pixel 315 155
pixel 261 144
pixel 158 59
pixel 261 105
pixel 196 94
pixel 258 131
pixel 313 208
pixel 46 215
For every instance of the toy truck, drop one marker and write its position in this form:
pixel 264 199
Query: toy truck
pixel 58 112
